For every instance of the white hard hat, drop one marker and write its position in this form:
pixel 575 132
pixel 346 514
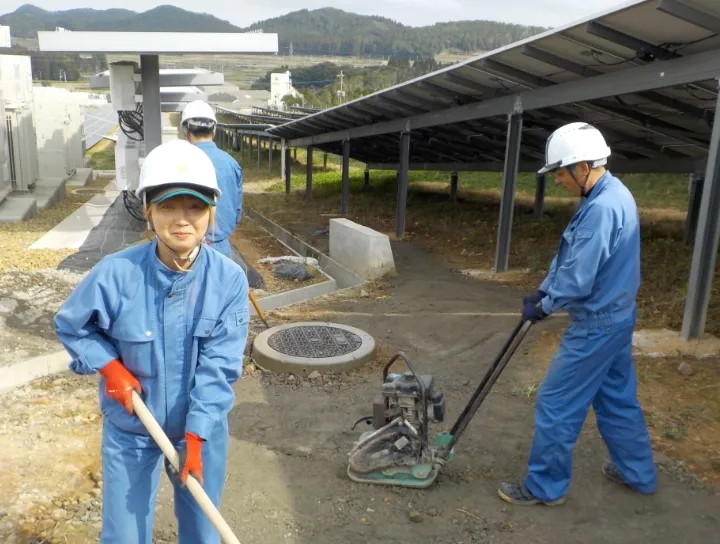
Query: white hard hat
pixel 175 168
pixel 200 110
pixel 574 143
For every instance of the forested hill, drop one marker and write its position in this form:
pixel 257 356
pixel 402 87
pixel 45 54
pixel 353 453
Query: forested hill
pixel 330 31
pixel 326 31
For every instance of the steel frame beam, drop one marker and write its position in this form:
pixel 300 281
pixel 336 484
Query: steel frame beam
pixel 152 108
pixel 507 201
pixel 681 71
pixel 402 191
pixel 689 14
pixel 640 166
pixel 707 237
pixel 309 173
pixel 625 40
pixel 345 183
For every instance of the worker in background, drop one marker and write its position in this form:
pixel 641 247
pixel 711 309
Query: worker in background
pixel 169 320
pixel 595 277
pixel 198 124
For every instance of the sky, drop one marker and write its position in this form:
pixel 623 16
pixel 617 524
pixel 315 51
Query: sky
pixel 548 13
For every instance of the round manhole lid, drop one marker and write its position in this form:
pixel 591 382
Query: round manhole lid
pixel 302 348
pixel 314 341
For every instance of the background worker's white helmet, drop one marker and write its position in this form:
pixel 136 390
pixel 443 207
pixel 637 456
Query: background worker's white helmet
pixel 198 112
pixel 574 143
pixel 175 168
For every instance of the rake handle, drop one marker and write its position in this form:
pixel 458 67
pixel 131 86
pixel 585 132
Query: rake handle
pixel 196 490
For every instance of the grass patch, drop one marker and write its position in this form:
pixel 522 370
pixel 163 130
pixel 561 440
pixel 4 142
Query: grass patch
pixel 464 234
pixel 101 157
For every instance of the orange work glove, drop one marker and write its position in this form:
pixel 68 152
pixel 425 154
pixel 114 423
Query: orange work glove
pixel 120 383
pixel 191 458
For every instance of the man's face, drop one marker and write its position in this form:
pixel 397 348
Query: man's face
pixel 564 177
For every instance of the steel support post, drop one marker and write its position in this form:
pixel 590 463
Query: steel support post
pixel 325 161
pixel 287 170
pixel 539 195
pixel 309 173
pixel 152 111
pixel 706 242
pixel 454 179
pixel 696 190
pixel 402 184
pixel 294 153
pixel 259 151
pixel 249 146
pixel 507 203
pixel 367 178
pixel 271 145
pixel 242 143
pixel 345 185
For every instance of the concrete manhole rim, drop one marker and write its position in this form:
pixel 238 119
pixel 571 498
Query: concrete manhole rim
pixel 270 359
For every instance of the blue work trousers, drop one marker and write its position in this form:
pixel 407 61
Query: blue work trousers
pixel 131 474
pixel 593 366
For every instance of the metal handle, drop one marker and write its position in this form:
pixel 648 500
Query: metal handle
pixel 491 376
pixel 197 491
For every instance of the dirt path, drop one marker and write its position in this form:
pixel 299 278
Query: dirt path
pixel 290 439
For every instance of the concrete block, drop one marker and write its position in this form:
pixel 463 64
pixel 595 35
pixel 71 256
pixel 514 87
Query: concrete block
pixel 48 191
pixel 361 249
pixel 81 177
pixel 17 208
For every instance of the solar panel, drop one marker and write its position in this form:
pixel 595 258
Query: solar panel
pixel 99 122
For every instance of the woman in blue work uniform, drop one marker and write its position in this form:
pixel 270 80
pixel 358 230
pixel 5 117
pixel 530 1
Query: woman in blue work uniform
pixel 168 319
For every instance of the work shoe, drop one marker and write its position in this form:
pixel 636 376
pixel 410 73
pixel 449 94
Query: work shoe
pixel 612 473
pixel 519 495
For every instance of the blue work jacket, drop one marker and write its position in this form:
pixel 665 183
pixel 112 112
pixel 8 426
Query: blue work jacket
pixel 230 180
pixel 595 275
pixel 182 334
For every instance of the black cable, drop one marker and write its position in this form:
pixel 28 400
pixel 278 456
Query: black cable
pixel 689 90
pixel 133 205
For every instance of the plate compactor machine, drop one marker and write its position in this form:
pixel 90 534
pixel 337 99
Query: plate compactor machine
pixel 398 451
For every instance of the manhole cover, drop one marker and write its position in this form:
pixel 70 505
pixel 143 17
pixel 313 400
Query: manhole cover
pixel 314 341
pixel 301 348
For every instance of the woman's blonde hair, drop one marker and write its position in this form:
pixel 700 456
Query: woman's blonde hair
pixel 150 234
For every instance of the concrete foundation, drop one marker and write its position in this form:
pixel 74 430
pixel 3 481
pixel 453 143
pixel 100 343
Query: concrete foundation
pixel 361 249
pixel 666 343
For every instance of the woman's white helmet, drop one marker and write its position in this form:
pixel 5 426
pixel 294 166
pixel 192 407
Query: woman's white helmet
pixel 574 143
pixel 176 168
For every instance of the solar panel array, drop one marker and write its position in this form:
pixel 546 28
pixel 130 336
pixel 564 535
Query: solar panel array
pixel 617 70
pixel 99 122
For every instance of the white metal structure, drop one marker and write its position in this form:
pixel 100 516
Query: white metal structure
pixel 59 124
pixel 168 78
pixel 157 42
pixel 16 79
pixel 5 39
pixel 5 180
pixel 22 146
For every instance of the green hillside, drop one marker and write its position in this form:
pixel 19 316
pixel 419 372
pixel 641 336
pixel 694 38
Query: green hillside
pixel 325 31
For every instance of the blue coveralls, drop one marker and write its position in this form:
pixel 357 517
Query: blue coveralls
pixel 183 336
pixel 595 277
pixel 229 206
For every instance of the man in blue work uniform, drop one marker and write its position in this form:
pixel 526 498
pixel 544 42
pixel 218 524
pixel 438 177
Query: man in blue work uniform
pixel 198 124
pixel 595 277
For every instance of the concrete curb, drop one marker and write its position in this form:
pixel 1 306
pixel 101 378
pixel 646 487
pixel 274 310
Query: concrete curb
pixel 38 367
pixel 339 279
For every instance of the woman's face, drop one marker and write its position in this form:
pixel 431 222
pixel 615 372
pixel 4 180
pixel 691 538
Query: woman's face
pixel 181 222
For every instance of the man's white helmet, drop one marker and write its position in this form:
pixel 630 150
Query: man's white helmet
pixel 199 112
pixel 177 168
pixel 573 143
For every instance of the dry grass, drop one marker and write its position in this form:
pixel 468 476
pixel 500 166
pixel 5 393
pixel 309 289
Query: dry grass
pixel 463 236
pixel 682 413
pixel 16 237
